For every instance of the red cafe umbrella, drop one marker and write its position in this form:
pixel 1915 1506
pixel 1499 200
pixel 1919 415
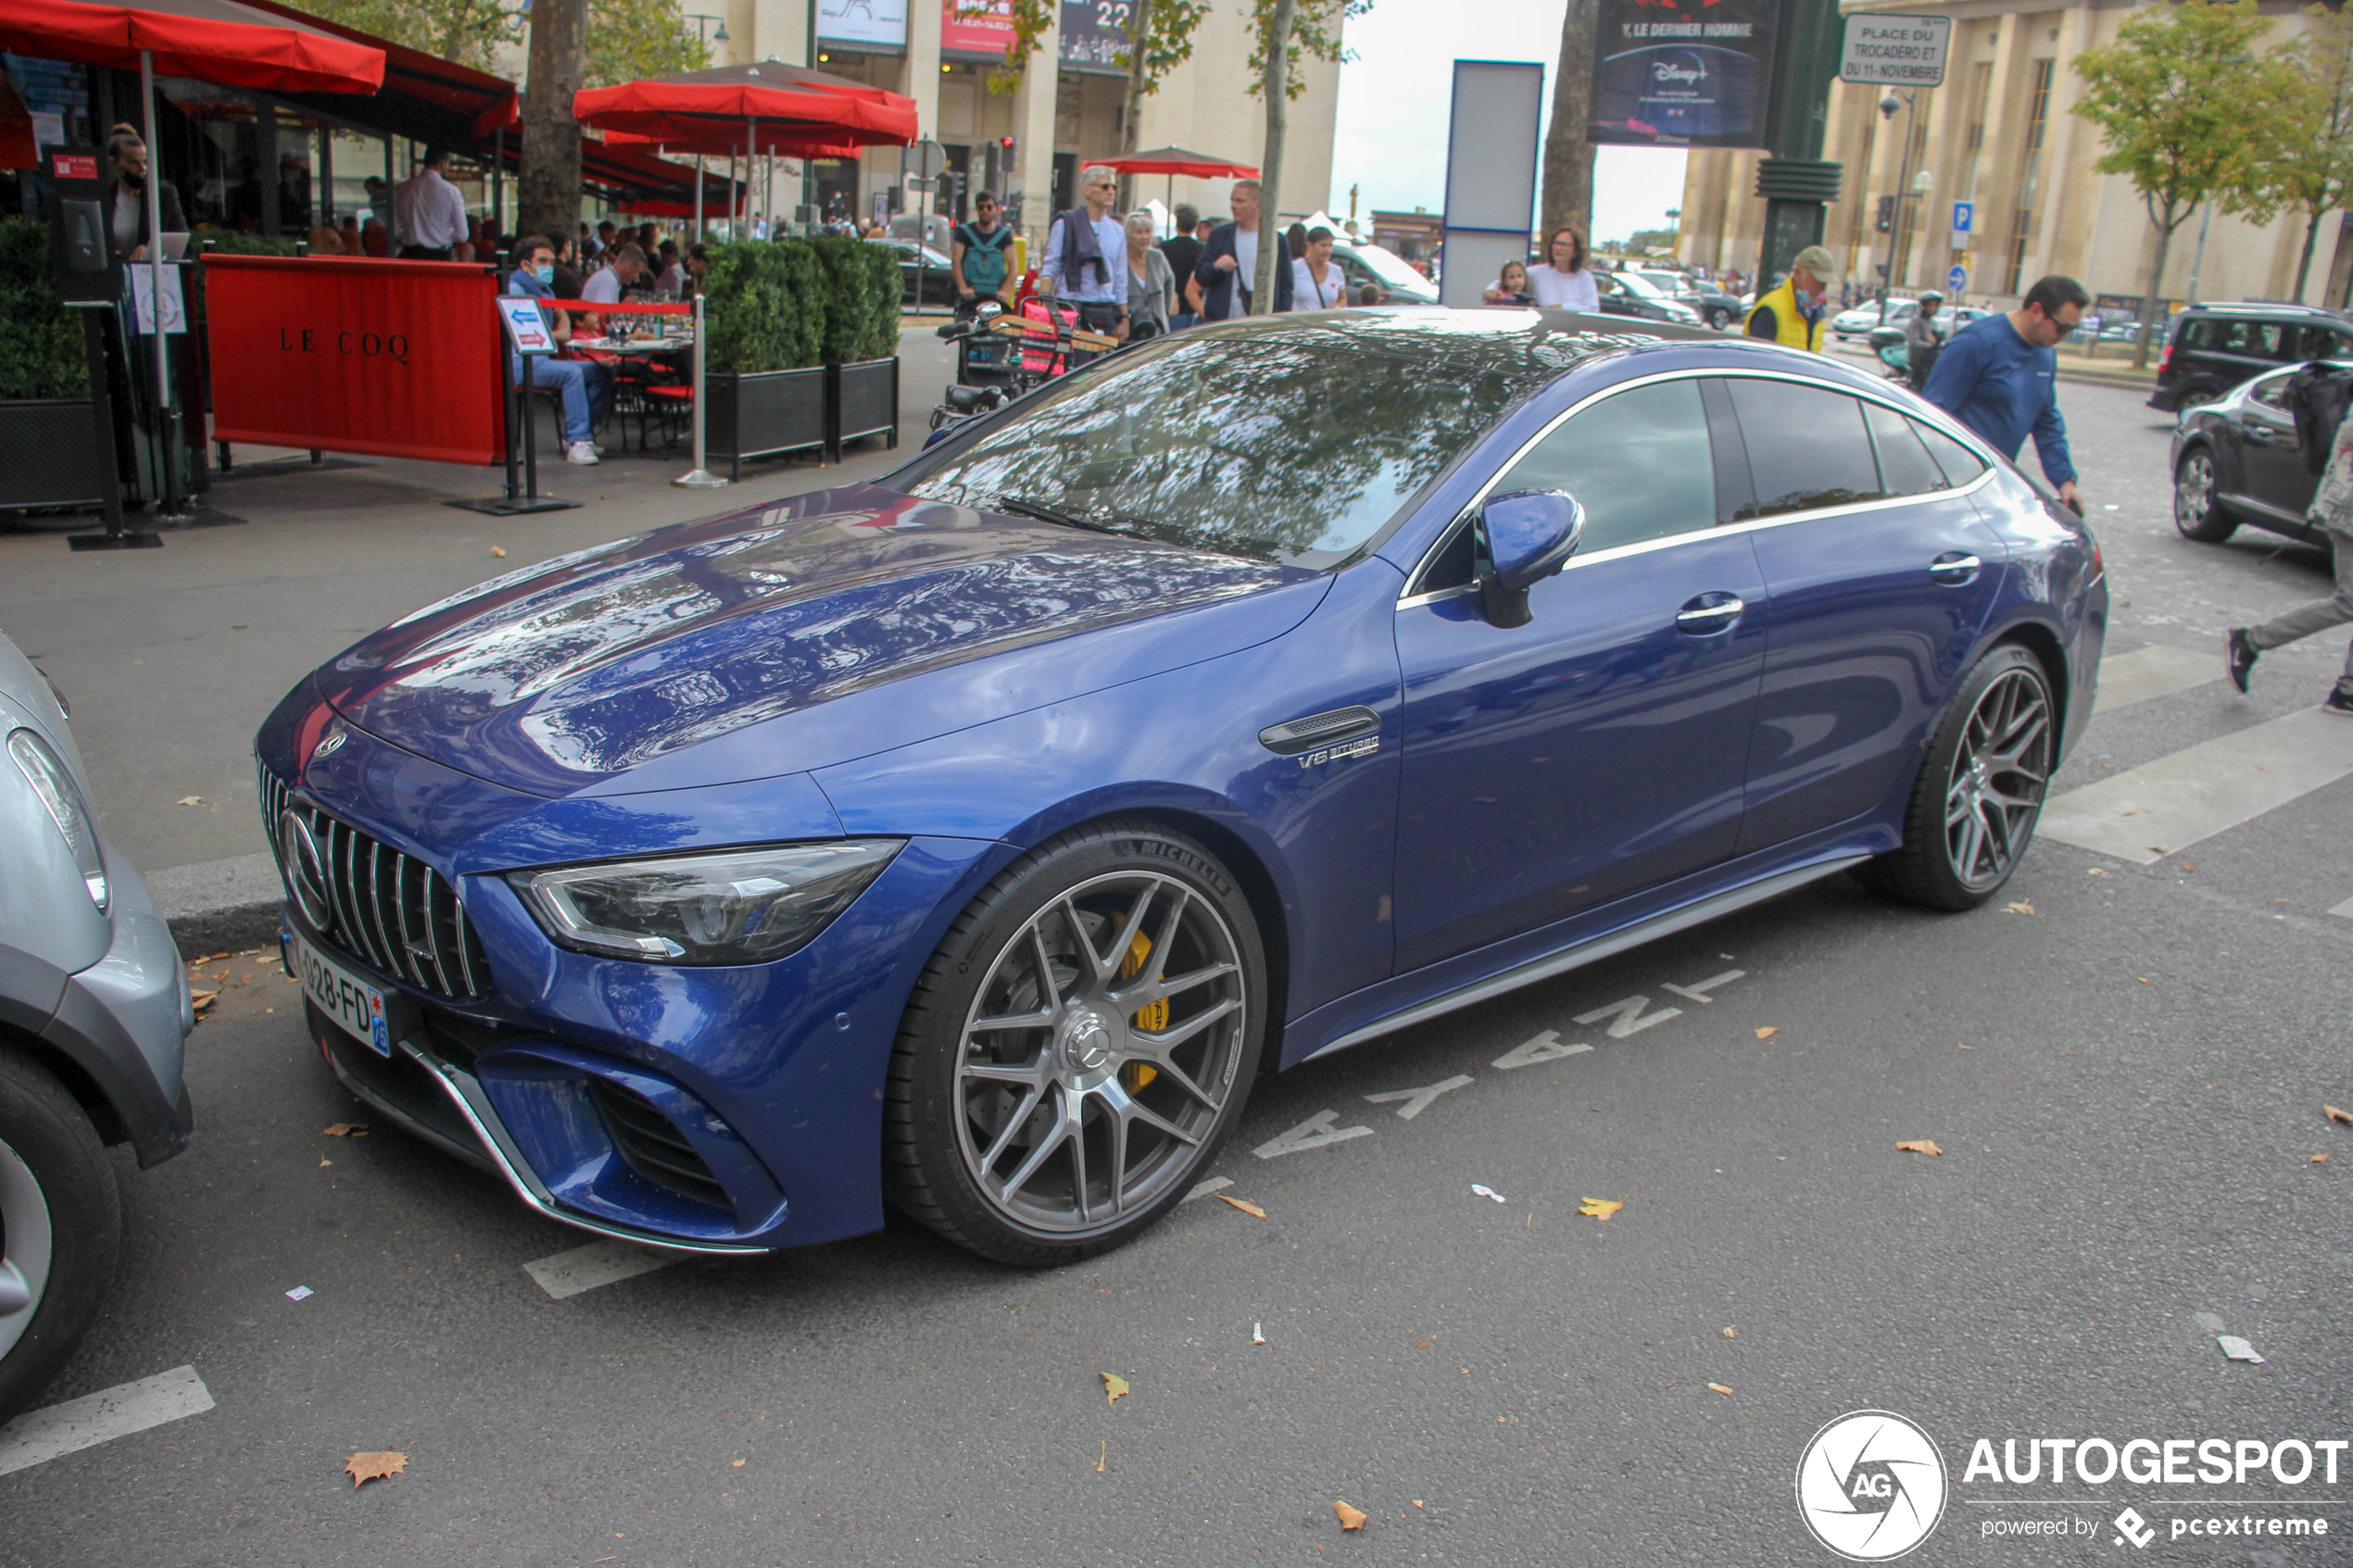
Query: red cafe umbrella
pixel 1173 161
pixel 216 40
pixel 16 150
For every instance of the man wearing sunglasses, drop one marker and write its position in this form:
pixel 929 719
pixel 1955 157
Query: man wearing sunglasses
pixel 979 253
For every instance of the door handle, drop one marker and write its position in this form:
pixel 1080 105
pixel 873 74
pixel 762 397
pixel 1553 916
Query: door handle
pixel 1709 613
pixel 1955 568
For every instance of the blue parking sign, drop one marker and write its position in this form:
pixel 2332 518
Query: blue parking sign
pixel 1963 215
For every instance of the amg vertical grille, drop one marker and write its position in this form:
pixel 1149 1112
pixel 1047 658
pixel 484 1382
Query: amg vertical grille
pixel 654 1148
pixel 391 910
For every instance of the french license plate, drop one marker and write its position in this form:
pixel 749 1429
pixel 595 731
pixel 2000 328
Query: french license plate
pixel 356 1006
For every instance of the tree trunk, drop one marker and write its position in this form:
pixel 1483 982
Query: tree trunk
pixel 1271 247
pixel 2165 227
pixel 547 196
pixel 2304 262
pixel 1568 157
pixel 1132 141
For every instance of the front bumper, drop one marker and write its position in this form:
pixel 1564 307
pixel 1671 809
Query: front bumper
pixel 123 1021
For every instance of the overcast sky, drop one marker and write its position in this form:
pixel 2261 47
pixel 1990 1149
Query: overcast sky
pixel 1392 138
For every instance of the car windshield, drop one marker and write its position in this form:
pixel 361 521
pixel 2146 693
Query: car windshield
pixel 1392 269
pixel 1292 444
pixel 1666 283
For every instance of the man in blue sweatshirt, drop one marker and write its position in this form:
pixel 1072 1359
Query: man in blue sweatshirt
pixel 1999 377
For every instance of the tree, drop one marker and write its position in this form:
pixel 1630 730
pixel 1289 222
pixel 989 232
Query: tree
pixel 1568 156
pixel 547 196
pixel 2178 95
pixel 632 40
pixel 1164 40
pixel 467 31
pixel 1289 31
pixel 2304 159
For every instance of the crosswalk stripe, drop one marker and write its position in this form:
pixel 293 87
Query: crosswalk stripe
pixel 2149 813
pixel 2153 672
pixel 2343 911
pixel 599 1263
pixel 37 1437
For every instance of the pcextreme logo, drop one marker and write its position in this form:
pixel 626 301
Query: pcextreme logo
pixel 1870 1485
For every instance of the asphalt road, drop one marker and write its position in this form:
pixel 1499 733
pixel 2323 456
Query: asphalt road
pixel 2124 1074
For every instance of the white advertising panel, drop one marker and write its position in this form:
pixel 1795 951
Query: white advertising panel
pixel 882 22
pixel 1490 172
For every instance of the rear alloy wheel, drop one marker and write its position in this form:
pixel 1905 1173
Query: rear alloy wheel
pixel 2198 499
pixel 1079 1047
pixel 1981 788
pixel 60 1228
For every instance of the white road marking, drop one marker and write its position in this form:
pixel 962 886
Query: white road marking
pixel 38 1437
pixel 1317 1132
pixel 1418 1100
pixel 2147 812
pixel 1630 1017
pixel 2154 671
pixel 1203 1189
pixel 1698 992
pixel 599 1263
pixel 2343 911
pixel 1546 1046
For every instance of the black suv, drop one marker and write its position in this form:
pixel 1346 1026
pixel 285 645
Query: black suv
pixel 2215 347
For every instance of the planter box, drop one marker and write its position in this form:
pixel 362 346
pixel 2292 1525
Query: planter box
pixel 49 454
pixel 860 399
pixel 767 413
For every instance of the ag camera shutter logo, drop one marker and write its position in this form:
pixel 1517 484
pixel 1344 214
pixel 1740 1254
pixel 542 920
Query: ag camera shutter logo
pixel 1870 1485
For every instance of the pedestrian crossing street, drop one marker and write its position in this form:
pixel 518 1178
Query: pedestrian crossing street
pixel 2145 814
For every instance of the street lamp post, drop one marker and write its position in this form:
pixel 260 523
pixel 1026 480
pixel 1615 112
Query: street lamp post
pixel 698 18
pixel 1892 100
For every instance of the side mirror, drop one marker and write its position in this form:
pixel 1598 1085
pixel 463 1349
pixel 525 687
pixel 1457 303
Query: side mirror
pixel 1530 535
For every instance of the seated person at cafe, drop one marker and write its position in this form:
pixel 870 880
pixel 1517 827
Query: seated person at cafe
pixel 625 269
pixel 586 388
pixel 666 271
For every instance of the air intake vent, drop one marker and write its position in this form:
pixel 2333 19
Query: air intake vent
pixel 1295 736
pixel 654 1148
pixel 391 910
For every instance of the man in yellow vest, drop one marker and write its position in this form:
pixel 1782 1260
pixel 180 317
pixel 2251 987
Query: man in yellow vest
pixel 1798 313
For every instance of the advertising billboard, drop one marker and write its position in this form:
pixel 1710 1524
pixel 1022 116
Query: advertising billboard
pixel 1683 73
pixel 1095 35
pixel 880 23
pixel 975 28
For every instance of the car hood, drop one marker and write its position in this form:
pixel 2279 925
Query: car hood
pixel 891 616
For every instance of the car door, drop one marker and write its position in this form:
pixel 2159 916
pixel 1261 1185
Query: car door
pixel 1596 750
pixel 1879 573
pixel 2271 462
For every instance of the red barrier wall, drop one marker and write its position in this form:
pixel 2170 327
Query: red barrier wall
pixel 392 359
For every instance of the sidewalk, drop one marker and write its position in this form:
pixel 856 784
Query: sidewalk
pixel 172 657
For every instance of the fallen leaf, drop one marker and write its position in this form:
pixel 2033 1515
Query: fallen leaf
pixel 2096 871
pixel 1721 1389
pixel 200 1000
pixel 1918 1145
pixel 1598 1207
pixel 375 1467
pixel 348 1130
pixel 2320 1160
pixel 2159 849
pixel 195 800
pixel 324 1163
pixel 2187 867
pixel 737 1465
pixel 1113 1386
pixel 2018 906
pixel 1102 1457
pixel 1246 1206
pixel 2337 1116
pixel 1349 1518
pixel 1418 1502
pixel 1421 1344
pixel 500 551
pixel 1767 1032
pixel 1731 1333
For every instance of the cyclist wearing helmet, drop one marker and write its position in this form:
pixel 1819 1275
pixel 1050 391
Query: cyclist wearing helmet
pixel 1923 339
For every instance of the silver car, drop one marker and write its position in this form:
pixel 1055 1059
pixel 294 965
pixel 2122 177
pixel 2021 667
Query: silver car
pixel 94 1006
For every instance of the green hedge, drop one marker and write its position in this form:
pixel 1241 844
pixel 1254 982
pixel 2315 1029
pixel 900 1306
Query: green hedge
pixel 41 353
pixel 782 305
pixel 230 242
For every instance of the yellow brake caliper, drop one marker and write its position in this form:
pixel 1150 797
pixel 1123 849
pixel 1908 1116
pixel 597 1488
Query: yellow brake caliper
pixel 1152 1019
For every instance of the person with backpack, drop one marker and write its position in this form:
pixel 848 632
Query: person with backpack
pixel 978 254
pixel 2332 509
pixel 1081 267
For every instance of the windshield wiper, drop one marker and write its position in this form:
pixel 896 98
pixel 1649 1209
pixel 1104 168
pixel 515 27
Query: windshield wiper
pixel 1047 514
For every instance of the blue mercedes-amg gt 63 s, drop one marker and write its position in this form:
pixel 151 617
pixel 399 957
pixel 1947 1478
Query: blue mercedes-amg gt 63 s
pixel 973 839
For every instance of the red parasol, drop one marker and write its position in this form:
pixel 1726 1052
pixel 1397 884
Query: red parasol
pixel 16 150
pixel 732 110
pixel 1177 160
pixel 216 40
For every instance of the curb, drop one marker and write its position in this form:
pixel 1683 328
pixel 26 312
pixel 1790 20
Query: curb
pixel 217 905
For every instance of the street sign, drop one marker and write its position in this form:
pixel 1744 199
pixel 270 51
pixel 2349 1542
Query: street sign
pixel 1958 279
pixel 526 329
pixel 1964 213
pixel 1894 51
pixel 926 159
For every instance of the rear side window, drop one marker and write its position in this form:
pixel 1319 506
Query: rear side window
pixel 1905 467
pixel 2260 339
pixel 1960 464
pixel 1806 448
pixel 1639 462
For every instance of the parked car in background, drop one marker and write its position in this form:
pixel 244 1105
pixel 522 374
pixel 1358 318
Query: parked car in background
pixel 94 1006
pixel 1954 318
pixel 1385 270
pixel 1863 319
pixel 2236 460
pixel 1715 307
pixel 2215 347
pixel 922 264
pixel 1628 293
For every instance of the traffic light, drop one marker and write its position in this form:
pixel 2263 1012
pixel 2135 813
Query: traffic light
pixel 1885 222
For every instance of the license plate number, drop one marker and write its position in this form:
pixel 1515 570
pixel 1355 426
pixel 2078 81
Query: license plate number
pixel 356 1007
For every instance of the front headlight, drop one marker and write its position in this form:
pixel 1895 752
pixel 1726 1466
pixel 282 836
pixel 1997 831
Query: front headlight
pixel 739 906
pixel 46 773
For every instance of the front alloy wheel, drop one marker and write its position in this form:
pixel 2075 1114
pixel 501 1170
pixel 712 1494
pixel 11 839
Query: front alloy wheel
pixel 1079 1047
pixel 2197 502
